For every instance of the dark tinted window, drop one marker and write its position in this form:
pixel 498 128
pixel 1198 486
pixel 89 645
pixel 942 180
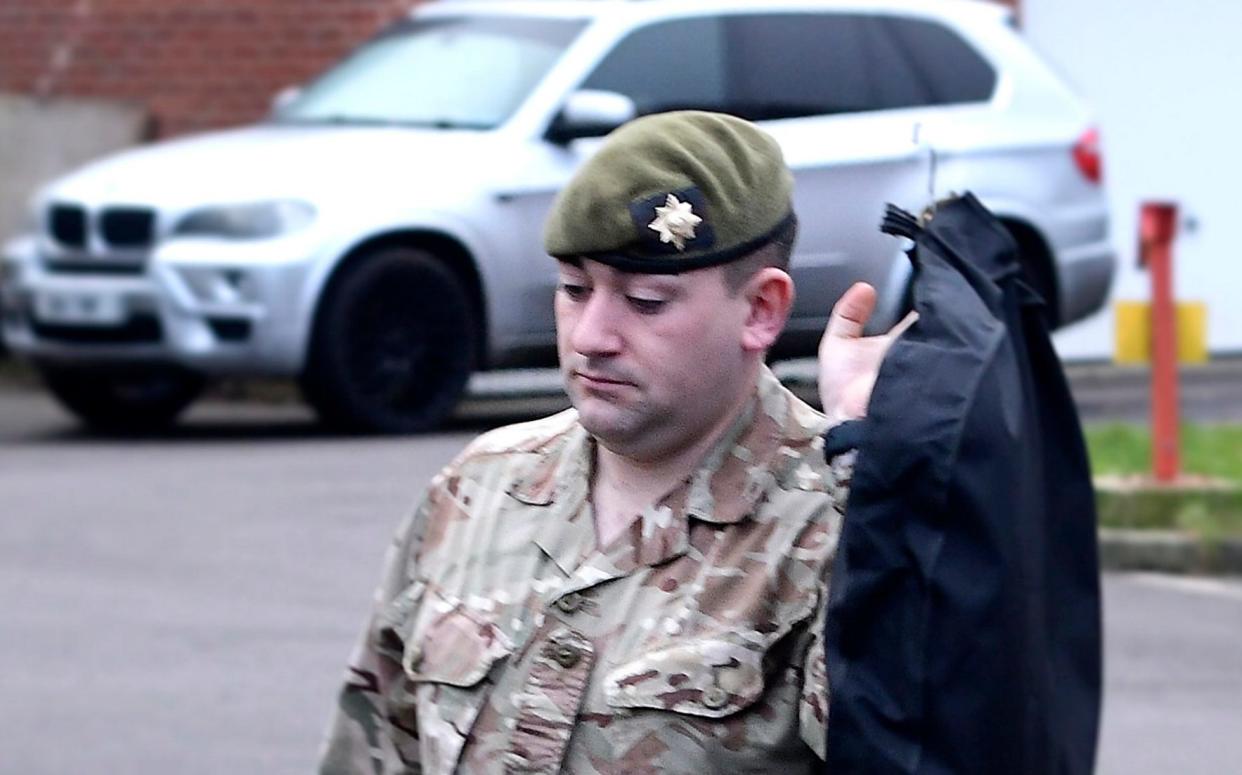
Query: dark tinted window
pixel 949 69
pixel 770 66
pixel 668 66
pixel 814 64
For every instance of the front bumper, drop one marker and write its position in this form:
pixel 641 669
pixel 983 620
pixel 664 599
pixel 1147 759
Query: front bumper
pixel 219 308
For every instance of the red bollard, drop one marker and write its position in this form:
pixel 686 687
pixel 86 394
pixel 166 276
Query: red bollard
pixel 1157 228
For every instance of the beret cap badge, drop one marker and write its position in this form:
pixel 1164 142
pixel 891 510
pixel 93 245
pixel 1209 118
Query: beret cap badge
pixel 675 222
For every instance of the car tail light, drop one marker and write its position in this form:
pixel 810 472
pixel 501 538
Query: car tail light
pixel 1087 155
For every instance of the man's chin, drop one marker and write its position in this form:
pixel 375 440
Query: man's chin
pixel 603 419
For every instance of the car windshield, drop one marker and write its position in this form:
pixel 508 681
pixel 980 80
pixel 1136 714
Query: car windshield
pixel 459 72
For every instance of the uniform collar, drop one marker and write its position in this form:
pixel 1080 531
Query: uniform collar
pixel 560 482
pixel 723 489
pixel 735 473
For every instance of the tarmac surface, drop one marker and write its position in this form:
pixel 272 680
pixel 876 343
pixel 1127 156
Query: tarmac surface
pixel 1210 392
pixel 185 603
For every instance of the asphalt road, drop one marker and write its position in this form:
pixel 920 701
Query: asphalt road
pixel 186 603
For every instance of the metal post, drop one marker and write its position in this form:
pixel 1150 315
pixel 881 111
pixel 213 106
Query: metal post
pixel 1158 226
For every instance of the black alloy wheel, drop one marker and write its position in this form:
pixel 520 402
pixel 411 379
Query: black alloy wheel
pixel 394 344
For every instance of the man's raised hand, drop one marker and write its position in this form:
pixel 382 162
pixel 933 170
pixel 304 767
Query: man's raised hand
pixel 848 361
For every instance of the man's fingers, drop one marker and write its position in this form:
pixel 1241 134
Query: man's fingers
pixel 851 312
pixel 910 319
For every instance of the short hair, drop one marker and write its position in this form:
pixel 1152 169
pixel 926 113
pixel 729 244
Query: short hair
pixel 776 252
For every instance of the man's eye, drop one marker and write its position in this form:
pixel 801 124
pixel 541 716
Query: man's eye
pixel 574 292
pixel 646 306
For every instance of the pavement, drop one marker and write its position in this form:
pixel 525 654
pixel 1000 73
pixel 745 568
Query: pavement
pixel 1208 392
pixel 185 603
pixel 1173 671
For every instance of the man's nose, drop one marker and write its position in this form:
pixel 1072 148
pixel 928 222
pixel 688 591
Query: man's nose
pixel 596 330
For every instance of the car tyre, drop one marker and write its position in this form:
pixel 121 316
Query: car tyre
pixel 394 344
pixel 135 400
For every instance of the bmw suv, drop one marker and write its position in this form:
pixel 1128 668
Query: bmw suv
pixel 378 237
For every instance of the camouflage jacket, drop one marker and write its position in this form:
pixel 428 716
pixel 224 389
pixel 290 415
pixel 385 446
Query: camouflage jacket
pixel 504 640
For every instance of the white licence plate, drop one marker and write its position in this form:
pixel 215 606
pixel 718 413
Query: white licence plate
pixel 80 308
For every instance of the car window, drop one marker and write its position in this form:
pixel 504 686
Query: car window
pixel 786 65
pixel 949 68
pixel 895 77
pixel 454 72
pixel 672 65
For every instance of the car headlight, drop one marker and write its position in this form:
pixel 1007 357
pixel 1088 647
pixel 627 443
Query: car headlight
pixel 256 220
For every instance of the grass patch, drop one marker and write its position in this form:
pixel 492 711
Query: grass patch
pixel 1211 512
pixel 1207 450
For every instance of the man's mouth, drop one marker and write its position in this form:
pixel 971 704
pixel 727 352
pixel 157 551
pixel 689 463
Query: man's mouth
pixel 601 380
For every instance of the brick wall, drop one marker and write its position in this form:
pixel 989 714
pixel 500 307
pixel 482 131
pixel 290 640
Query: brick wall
pixel 194 65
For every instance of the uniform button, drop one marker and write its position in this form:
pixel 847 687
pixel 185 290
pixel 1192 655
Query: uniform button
pixel 567 656
pixel 569 603
pixel 714 698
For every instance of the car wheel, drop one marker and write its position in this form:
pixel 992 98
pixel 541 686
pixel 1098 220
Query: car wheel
pixel 394 344
pixel 123 401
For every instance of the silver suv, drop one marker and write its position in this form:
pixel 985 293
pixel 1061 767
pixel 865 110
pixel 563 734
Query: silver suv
pixel 379 237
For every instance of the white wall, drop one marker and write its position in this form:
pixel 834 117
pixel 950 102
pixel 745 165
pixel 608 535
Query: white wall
pixel 1166 81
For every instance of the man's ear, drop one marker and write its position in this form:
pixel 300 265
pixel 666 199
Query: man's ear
pixel 769 295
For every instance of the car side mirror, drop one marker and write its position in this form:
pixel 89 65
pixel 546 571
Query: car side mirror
pixel 590 113
pixel 282 98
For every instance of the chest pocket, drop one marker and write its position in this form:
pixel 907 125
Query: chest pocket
pixel 449 649
pixel 708 677
pixel 710 673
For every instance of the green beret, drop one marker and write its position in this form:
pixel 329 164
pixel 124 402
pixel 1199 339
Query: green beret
pixel 672 192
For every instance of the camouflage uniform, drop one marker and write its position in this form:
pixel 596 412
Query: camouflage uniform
pixel 503 640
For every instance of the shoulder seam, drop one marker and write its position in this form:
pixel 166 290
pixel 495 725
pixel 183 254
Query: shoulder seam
pixel 527 437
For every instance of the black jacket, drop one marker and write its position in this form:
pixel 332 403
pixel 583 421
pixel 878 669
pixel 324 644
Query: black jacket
pixel 963 632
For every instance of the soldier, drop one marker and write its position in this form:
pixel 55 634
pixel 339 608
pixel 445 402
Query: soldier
pixel 636 584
